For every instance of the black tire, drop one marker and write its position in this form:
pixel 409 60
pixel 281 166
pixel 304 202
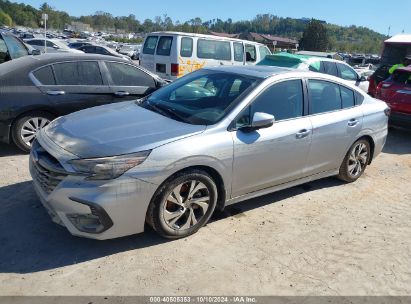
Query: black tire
pixel 158 205
pixel 17 127
pixel 346 173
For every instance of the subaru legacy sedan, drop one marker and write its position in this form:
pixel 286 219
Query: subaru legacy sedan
pixel 210 139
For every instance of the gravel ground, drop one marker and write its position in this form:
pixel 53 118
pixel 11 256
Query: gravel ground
pixel 321 238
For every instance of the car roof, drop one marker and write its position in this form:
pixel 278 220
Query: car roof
pixel 298 58
pixel 29 63
pixel 205 36
pixel 258 71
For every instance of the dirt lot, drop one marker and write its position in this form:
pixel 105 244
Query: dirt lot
pixel 322 238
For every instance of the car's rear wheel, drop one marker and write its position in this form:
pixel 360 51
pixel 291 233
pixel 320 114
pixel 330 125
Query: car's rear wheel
pixel 355 162
pixel 24 130
pixel 183 204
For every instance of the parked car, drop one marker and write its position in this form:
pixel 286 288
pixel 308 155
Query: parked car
pixel 132 51
pixel 29 35
pixel 53 46
pixel 12 47
pixel 207 140
pixel 394 52
pixel 396 92
pixel 76 45
pixel 317 64
pixel 34 91
pixel 173 54
pixel 102 50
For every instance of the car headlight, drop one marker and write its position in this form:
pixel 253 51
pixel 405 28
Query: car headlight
pixel 108 167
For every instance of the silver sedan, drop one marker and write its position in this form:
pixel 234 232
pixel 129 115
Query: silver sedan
pixel 210 139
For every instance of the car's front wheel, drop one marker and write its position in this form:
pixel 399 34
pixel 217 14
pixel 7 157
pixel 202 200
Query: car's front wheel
pixel 355 161
pixel 183 204
pixel 24 130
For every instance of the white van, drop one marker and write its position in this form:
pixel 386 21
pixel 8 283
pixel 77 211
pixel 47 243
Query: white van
pixel 173 54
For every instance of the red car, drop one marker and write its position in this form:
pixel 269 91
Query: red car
pixel 396 92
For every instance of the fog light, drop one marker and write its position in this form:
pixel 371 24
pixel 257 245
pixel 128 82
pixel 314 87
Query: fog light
pixel 97 221
pixel 86 222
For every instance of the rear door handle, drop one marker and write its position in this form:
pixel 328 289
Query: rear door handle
pixel 55 93
pixel 121 93
pixel 302 133
pixel 353 122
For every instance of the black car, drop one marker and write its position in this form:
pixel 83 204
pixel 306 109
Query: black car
pixel 36 89
pixel 102 50
pixel 76 45
pixel 12 47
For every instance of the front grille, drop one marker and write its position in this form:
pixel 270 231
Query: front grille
pixel 47 171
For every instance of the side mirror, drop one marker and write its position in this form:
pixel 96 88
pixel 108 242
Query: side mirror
pixel 55 47
pixel 35 52
pixel 363 78
pixel 260 121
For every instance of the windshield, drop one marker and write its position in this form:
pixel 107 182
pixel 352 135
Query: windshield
pixel 201 98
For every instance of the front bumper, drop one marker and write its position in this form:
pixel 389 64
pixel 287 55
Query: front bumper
pixel 120 204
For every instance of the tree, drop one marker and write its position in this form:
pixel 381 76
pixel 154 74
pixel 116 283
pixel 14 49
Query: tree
pixel 315 37
pixel 5 19
pixel 347 39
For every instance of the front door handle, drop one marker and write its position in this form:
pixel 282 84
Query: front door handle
pixel 302 133
pixel 55 93
pixel 353 122
pixel 121 93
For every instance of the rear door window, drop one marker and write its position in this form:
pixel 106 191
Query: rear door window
pixel 78 73
pixel 324 96
pixel 164 46
pixel 347 97
pixel 238 51
pixel 127 75
pixel 213 49
pixel 36 42
pixel 186 49
pixel 150 45
pixel 329 68
pixel 45 75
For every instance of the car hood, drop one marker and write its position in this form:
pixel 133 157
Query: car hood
pixel 116 129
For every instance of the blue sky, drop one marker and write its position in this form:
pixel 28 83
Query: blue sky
pixel 376 14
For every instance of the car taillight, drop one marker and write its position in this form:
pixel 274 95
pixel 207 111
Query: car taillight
pixel 174 69
pixel 387 112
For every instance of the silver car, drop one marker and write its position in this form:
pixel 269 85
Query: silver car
pixel 210 139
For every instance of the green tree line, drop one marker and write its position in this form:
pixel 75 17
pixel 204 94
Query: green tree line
pixel 349 39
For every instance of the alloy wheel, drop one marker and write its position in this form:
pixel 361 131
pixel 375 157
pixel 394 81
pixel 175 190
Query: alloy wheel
pixel 31 127
pixel 186 205
pixel 357 159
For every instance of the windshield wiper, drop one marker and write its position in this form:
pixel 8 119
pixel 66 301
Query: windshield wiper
pixel 165 111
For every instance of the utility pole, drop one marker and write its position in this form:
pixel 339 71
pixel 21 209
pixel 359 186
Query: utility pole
pixel 389 30
pixel 45 17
